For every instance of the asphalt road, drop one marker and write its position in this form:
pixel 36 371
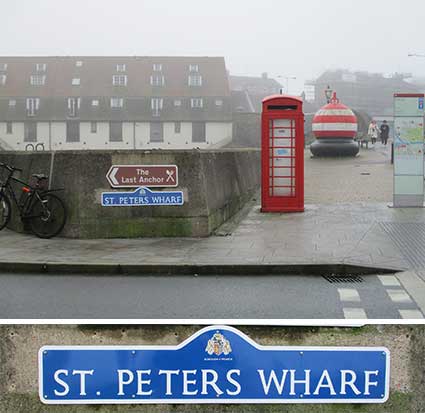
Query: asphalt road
pixel 207 297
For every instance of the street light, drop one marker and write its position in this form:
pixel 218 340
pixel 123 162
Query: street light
pixel 328 94
pixel 288 78
pixel 415 55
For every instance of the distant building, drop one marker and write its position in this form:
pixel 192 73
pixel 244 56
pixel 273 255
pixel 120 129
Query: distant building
pixel 249 91
pixel 363 91
pixel 57 103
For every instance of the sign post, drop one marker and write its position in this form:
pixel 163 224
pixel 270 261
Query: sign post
pixel 218 364
pixel 408 150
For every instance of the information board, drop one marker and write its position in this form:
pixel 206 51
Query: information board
pixel 408 150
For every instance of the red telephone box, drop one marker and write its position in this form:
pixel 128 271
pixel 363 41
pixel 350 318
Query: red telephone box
pixel 282 154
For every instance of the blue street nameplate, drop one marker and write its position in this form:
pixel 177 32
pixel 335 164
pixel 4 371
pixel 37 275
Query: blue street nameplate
pixel 216 365
pixel 142 197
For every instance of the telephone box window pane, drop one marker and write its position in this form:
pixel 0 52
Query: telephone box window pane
pixel 279 123
pixel 280 162
pixel 282 192
pixel 282 133
pixel 283 142
pixel 283 152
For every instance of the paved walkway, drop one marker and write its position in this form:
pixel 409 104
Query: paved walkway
pixel 362 234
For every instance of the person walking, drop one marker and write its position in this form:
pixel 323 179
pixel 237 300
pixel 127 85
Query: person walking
pixel 385 132
pixel 373 132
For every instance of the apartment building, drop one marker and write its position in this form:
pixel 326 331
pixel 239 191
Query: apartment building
pixel 74 103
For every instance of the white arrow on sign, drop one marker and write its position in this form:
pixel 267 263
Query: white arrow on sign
pixel 112 176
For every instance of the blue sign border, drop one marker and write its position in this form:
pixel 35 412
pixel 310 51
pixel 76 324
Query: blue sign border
pixel 45 349
pixel 142 194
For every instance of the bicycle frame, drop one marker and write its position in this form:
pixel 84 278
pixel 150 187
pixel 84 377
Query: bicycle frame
pixel 24 207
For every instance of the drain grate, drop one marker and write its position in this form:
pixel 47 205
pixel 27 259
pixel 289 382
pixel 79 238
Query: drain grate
pixel 343 278
pixel 409 237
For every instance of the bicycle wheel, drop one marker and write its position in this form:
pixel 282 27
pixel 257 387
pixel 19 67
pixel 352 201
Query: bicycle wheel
pixel 47 216
pixel 5 211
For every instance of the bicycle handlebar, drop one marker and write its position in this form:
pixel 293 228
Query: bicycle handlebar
pixel 10 168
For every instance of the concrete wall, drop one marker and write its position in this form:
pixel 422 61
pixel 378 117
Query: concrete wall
pixel 136 135
pixel 246 130
pixel 216 184
pixel 19 346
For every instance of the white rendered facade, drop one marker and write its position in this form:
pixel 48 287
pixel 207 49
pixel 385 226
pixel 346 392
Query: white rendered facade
pixel 135 135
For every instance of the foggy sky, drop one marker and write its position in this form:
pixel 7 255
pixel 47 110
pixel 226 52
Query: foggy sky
pixel 289 38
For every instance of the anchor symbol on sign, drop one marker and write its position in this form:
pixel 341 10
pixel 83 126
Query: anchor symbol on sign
pixel 170 176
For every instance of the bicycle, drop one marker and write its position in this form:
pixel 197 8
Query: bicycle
pixel 40 207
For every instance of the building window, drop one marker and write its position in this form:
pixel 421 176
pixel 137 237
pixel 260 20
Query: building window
pixel 218 102
pixel 196 103
pixel 78 63
pixel 76 81
pixel 177 127
pixel 41 67
pixel 2 80
pixel 32 106
pixel 115 131
pixel 177 102
pixel 73 106
pixel 121 68
pixel 157 67
pixel 193 68
pixel 157 80
pixel 30 132
pixel 117 102
pixel 93 127
pixel 12 103
pixel 38 80
pixel 198 132
pixel 9 128
pixel 156 132
pixel 195 80
pixel 119 80
pixel 73 131
pixel 3 67
pixel 95 102
pixel 157 105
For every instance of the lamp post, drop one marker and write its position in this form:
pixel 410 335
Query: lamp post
pixel 328 94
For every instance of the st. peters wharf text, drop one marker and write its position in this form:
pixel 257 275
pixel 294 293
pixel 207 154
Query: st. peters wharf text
pixel 286 382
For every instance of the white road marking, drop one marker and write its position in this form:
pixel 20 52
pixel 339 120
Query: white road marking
pixel 389 280
pixel 411 314
pixel 415 286
pixel 354 313
pixel 349 294
pixel 399 296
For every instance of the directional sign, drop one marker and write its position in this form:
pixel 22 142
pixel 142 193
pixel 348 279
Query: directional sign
pixel 142 197
pixel 133 176
pixel 218 364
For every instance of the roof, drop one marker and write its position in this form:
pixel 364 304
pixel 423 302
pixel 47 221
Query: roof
pixel 96 73
pixel 260 84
